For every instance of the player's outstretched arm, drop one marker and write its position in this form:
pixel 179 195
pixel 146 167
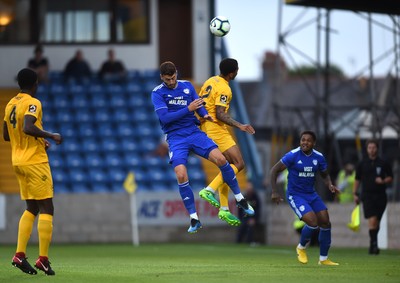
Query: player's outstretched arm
pixel 227 119
pixel 31 129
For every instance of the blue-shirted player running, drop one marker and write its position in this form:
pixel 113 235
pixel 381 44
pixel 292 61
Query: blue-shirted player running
pixel 303 163
pixel 175 102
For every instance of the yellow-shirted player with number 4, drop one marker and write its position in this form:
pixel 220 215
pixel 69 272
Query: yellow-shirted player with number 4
pixel 22 127
pixel 217 95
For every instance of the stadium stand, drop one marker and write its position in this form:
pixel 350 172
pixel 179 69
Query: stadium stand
pixel 109 131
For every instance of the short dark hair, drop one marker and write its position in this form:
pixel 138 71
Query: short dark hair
pixel 311 133
pixel 228 65
pixel 374 141
pixel 167 68
pixel 27 78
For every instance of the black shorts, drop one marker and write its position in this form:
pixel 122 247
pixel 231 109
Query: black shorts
pixel 374 205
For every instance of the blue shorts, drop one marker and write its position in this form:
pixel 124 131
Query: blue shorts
pixel 180 147
pixel 304 203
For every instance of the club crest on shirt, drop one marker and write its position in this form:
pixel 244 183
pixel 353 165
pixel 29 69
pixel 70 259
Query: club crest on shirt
pixel 302 208
pixel 315 162
pixel 32 108
pixel 186 91
pixel 223 99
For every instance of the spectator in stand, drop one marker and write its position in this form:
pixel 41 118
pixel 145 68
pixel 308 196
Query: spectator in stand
pixel 112 70
pixel 77 70
pixel 40 65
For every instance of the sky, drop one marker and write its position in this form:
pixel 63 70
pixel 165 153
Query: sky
pixel 254 31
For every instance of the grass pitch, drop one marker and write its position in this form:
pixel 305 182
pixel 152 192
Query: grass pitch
pixel 219 263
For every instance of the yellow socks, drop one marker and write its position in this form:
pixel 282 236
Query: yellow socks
pixel 45 231
pixel 24 230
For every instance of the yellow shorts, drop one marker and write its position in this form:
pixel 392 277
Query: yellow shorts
pixel 35 181
pixel 219 134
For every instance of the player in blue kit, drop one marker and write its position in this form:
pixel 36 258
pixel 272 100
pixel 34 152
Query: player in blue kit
pixel 175 102
pixel 303 163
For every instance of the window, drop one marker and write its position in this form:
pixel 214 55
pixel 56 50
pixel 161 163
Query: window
pixel 74 21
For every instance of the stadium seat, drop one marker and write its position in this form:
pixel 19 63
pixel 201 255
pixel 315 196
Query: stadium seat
pixel 169 175
pixel 56 77
pixel 59 175
pixel 194 161
pixel 94 160
pixel 113 160
pixel 68 130
pixel 91 145
pixel 99 99
pixel 110 144
pixel 56 159
pixel 140 115
pixel 80 188
pixel 102 114
pixel 121 114
pixel 77 90
pixel 156 162
pixel 42 92
pixel 65 115
pixel 74 160
pixel 129 145
pixel 50 126
pixel 106 129
pixel 61 102
pixel 136 101
pixel 133 161
pixel 133 88
pixel 58 91
pixel 117 188
pixel 70 145
pixel 87 129
pixel 197 176
pixel 116 94
pixel 83 115
pixel 148 145
pixel 96 89
pixel 144 130
pixel 156 175
pixel 77 175
pixel 49 115
pixel 141 178
pixel 97 175
pixel 61 188
pixel 126 130
pixel 80 101
pixel 133 75
pixel 160 187
pixel 117 175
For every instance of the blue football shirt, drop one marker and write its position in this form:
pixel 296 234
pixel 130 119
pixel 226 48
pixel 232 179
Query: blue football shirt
pixel 302 170
pixel 175 100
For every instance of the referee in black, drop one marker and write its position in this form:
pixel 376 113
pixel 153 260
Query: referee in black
pixel 374 174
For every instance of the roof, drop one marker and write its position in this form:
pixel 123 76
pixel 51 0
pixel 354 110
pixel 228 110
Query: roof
pixel 371 6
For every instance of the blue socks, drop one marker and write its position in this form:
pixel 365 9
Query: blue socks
pixel 187 197
pixel 324 239
pixel 306 234
pixel 230 178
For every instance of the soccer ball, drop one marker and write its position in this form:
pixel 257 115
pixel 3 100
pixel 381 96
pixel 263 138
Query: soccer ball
pixel 220 26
